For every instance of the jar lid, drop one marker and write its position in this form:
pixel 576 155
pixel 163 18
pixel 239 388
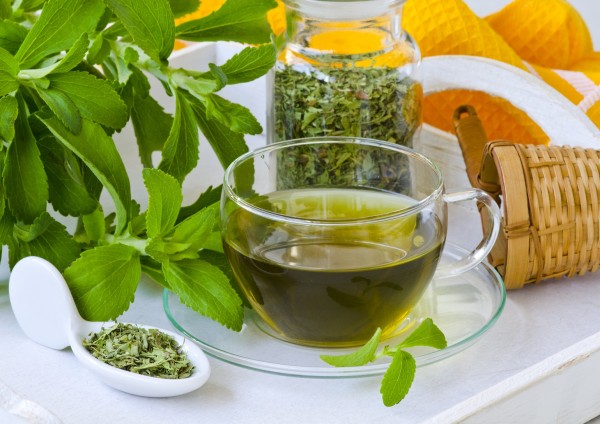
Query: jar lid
pixel 344 10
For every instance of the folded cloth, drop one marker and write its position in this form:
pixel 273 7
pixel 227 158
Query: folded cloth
pixel 545 37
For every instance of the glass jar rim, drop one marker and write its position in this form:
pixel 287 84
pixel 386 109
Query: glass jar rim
pixel 419 205
pixel 335 10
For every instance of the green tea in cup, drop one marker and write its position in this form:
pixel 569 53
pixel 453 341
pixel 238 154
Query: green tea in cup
pixel 327 262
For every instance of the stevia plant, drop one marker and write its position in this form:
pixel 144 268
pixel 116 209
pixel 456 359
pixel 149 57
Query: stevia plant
pixel 72 74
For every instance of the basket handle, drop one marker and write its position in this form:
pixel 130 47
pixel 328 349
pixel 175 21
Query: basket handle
pixel 471 138
pixel 473 143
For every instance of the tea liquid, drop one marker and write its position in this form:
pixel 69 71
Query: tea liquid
pixel 333 286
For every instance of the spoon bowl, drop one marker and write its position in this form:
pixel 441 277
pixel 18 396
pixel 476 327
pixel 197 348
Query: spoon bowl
pixel 46 312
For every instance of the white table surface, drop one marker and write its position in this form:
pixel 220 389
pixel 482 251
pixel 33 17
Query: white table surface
pixel 540 363
pixel 526 346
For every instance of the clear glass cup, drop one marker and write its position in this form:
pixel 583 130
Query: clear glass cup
pixel 327 252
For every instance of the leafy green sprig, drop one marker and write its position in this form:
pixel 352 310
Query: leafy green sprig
pixel 400 375
pixel 73 73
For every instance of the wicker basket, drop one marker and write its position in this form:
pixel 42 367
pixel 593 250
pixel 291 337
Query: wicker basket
pixel 550 197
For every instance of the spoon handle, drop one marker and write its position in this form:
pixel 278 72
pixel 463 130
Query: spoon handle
pixel 42 302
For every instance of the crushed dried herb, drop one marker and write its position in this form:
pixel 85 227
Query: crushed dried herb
pixel 143 351
pixel 381 103
pixel 373 102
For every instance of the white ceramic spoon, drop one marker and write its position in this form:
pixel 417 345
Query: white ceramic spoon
pixel 45 310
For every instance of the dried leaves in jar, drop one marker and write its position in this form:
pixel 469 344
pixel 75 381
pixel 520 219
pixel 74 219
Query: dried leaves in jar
pixel 379 103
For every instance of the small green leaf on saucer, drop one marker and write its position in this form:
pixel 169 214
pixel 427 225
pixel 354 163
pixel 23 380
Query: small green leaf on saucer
pixel 360 357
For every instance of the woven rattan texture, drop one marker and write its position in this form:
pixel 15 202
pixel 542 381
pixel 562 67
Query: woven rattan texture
pixel 563 192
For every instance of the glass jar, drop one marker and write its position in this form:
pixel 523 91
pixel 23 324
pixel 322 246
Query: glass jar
pixel 347 69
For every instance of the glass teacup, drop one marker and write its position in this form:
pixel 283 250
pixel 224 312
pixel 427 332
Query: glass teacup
pixel 327 251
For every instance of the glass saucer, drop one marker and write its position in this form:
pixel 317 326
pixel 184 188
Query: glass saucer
pixel 464 307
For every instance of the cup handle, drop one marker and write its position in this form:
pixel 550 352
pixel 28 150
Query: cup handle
pixel 485 246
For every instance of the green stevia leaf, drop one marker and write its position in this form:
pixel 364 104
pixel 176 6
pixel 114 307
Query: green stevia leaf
pixel 220 261
pixel 68 192
pixel 9 109
pixel 5 9
pixel 183 7
pixel 196 85
pixel 213 242
pixel 161 250
pixel 63 108
pixel 151 125
pixel 99 50
pixel 180 152
pixel 103 281
pixel 48 239
pixel 8 71
pixel 205 289
pixel 29 232
pixel 43 83
pixel 2 196
pixel 74 57
pixel 236 117
pixel 426 334
pixel 105 19
pixel 29 5
pixel 398 378
pixel 92 183
pixel 150 24
pixel 153 270
pixel 249 64
pixel 24 177
pixel 139 82
pixel 137 224
pixel 209 197
pixel 185 239
pixel 219 75
pixel 7 225
pixel 95 98
pixel 59 26
pixel 359 357
pixel 11 36
pixel 237 20
pixel 194 230
pixel 115 31
pixel 164 201
pixel 131 55
pixel 102 158
pixel 94 225
pixel 226 144
pixel 8 63
pixel 166 251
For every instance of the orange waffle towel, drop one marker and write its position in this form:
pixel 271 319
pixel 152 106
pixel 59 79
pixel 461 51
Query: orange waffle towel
pixel 545 37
